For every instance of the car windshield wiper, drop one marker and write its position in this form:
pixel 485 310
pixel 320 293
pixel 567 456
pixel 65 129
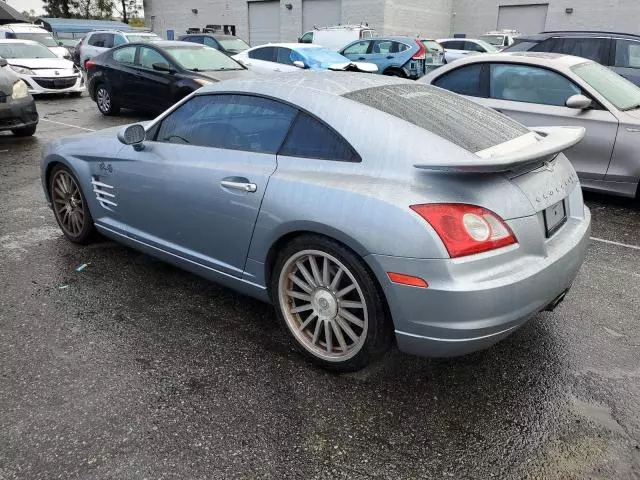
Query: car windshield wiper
pixel 195 70
pixel 225 68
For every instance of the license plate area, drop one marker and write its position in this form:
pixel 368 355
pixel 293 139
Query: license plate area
pixel 555 217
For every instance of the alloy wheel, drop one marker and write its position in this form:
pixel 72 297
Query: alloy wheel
pixel 323 305
pixel 68 204
pixel 103 99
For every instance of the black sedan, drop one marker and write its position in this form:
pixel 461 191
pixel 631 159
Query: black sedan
pixel 17 109
pixel 153 76
pixel 229 44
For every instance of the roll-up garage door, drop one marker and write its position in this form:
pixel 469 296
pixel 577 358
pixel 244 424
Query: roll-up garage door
pixel 264 22
pixel 321 13
pixel 526 19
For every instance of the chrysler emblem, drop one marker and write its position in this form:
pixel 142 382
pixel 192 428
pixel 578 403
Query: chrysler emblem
pixel 56 72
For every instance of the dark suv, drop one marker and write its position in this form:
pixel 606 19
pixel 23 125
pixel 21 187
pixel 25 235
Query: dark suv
pixel 618 51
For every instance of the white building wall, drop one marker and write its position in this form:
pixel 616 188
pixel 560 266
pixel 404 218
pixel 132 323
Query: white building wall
pixel 474 17
pixel 427 19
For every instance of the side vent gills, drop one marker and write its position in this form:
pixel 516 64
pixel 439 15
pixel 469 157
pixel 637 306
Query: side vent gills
pixel 104 193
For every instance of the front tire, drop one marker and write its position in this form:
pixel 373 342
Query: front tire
pixel 106 102
pixel 24 131
pixel 330 304
pixel 70 206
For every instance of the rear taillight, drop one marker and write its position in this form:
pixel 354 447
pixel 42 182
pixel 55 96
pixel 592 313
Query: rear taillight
pixel 466 229
pixel 89 64
pixel 421 54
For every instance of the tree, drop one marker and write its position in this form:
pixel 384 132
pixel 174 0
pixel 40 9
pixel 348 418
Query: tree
pixel 128 9
pixel 30 15
pixel 60 8
pixel 95 8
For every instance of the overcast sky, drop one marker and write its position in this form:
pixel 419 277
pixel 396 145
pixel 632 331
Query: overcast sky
pixel 22 5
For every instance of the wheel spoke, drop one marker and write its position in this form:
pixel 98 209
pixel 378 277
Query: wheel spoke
pixel 351 318
pixel 316 333
pixel 327 337
pixel 336 279
pixel 59 201
pixel 294 278
pixel 60 184
pixel 65 217
pixel 302 308
pixel 306 323
pixel 299 295
pixel 314 269
pixel 305 273
pixel 339 336
pixel 350 304
pixel 345 290
pixel 346 328
pixel 76 223
pixel 65 182
pixel 325 272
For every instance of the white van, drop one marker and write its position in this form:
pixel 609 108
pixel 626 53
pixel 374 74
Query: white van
pixel 29 31
pixel 337 37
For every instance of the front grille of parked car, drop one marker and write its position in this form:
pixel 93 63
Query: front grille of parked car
pixel 8 122
pixel 56 83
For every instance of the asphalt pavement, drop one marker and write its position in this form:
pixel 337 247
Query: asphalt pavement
pixel 132 369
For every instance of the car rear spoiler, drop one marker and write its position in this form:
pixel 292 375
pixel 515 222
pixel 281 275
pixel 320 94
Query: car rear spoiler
pixel 542 144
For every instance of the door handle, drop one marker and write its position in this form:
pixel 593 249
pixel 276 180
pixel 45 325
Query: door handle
pixel 239 184
pixel 389 57
pixel 361 58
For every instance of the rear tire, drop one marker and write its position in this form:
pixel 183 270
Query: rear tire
pixel 24 131
pixel 330 304
pixel 106 102
pixel 70 206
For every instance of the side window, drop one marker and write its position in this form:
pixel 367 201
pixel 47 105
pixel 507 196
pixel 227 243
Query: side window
pixel 359 48
pixel 522 83
pixel 306 38
pixel 108 40
pixel 382 46
pixel 210 42
pixel 284 56
pixel 149 56
pixel 97 40
pixel 453 45
pixel 267 54
pixel 400 47
pixel 118 40
pixel 312 139
pixel 591 48
pixel 464 80
pixel 235 122
pixel 473 47
pixel 627 54
pixel 125 55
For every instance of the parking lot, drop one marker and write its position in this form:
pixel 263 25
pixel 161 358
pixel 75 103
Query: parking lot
pixel 130 368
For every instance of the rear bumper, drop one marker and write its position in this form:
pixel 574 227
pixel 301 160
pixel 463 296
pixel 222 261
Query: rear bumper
pixel 470 307
pixel 16 114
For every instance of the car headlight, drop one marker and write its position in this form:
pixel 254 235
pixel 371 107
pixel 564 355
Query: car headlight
pixel 20 90
pixel 202 81
pixel 22 70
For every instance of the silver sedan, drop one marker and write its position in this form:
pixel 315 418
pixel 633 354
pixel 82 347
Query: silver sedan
pixel 367 209
pixel 552 89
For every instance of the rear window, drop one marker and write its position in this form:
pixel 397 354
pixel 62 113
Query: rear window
pixel 446 114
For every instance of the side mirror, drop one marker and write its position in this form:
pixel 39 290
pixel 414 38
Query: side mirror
pixel 579 102
pixel 61 44
pixel 133 135
pixel 3 62
pixel 162 67
pixel 299 64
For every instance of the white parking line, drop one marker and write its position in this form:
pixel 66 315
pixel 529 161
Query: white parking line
pixel 67 125
pixel 611 242
pixel 2 151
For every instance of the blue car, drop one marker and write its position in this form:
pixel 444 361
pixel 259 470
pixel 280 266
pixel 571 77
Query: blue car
pixel 395 56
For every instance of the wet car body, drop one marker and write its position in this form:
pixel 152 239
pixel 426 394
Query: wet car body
pixel 16 114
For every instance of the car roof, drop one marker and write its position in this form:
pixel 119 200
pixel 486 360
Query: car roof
pixel 169 43
pixel 22 26
pixel 17 40
pixel 576 33
pixel 289 45
pixel 555 60
pixel 397 38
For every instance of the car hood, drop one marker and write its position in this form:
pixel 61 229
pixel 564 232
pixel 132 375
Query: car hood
pixel 220 75
pixel 42 63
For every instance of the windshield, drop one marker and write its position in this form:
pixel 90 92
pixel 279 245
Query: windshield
pixel 497 40
pixel 24 50
pixel 619 91
pixel 199 58
pixel 44 38
pixel 321 58
pixel 487 46
pixel 149 37
pixel 233 44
